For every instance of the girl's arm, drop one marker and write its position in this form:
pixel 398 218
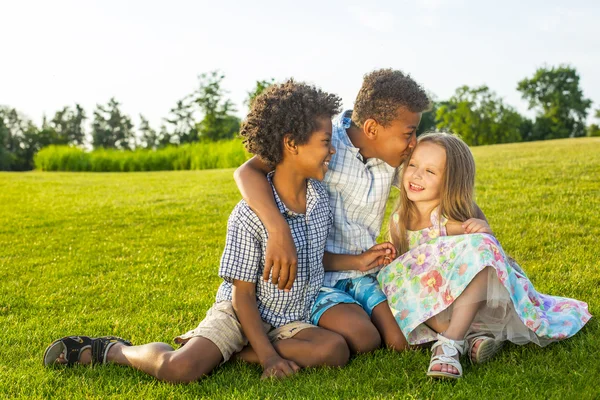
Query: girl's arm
pixel 472 225
pixel 244 304
pixel 280 256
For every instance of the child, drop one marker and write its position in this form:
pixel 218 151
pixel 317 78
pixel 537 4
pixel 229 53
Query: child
pixel 371 142
pixel 443 289
pixel 289 127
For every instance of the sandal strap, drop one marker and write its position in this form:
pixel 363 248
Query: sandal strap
pixel 75 346
pixel 101 345
pixel 450 349
pixel 449 346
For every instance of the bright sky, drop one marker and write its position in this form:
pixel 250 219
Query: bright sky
pixel 148 53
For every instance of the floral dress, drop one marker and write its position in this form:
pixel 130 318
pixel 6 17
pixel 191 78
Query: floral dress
pixel 425 282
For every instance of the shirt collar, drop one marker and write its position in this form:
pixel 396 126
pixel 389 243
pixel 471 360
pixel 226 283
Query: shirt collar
pixel 344 122
pixel 311 198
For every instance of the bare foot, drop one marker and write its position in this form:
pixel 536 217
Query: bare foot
pixel 85 357
pixel 475 347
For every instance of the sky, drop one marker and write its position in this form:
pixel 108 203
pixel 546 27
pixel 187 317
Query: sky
pixel 148 54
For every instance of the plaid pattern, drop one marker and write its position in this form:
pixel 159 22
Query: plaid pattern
pixel 244 256
pixel 358 192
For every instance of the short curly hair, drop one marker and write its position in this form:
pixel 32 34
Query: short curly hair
pixel 383 92
pixel 289 108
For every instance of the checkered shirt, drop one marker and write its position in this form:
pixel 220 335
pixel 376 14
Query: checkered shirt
pixel 244 256
pixel 358 193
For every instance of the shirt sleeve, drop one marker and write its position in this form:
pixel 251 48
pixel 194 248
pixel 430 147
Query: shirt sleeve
pixel 242 256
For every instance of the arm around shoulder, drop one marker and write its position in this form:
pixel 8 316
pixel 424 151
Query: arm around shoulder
pixel 280 254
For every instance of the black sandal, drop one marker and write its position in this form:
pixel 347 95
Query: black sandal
pixel 72 346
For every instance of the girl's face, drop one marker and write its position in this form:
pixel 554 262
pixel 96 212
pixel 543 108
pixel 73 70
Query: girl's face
pixel 422 179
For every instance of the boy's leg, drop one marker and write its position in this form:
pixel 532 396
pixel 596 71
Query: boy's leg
pixel 368 293
pixel 387 326
pixel 354 325
pixel 339 312
pixel 197 358
pixel 310 347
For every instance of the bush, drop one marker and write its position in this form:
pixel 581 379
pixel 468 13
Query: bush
pixel 205 155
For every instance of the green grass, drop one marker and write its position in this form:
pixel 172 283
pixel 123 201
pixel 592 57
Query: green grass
pixel 137 255
pixel 203 155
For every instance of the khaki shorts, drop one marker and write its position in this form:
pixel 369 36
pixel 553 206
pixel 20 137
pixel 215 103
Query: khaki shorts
pixel 221 326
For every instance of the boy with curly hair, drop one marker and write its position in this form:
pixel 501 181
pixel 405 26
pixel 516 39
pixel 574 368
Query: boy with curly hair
pixel 371 142
pixel 289 129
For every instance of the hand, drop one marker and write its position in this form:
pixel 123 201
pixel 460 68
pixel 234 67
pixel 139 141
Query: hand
pixel 277 367
pixel 378 255
pixel 281 259
pixel 475 225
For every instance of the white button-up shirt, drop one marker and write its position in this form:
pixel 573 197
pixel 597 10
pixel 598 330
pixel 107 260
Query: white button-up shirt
pixel 358 193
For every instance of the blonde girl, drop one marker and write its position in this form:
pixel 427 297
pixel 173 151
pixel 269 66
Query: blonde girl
pixel 459 290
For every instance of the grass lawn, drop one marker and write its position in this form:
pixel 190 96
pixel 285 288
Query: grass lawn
pixel 136 255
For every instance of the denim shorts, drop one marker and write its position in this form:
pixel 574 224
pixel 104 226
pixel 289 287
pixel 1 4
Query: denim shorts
pixel 364 291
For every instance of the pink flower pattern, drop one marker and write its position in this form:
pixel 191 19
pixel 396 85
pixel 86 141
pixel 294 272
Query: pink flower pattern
pixel 437 268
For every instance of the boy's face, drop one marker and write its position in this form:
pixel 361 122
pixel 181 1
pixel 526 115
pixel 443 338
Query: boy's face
pixel 313 156
pixel 395 142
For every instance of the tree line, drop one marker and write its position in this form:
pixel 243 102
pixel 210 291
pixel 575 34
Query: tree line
pixel 476 113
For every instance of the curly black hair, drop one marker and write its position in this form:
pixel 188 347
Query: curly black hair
pixel 289 108
pixel 383 92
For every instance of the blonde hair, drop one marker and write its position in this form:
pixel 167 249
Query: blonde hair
pixel 456 194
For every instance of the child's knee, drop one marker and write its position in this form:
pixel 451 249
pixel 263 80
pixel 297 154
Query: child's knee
pixel 177 369
pixel 336 351
pixel 363 338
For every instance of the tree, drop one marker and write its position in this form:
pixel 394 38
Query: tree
pixel 68 125
pixel 480 117
pixel 218 121
pixel 19 140
pixel 164 137
pixel 594 129
pixel 111 128
pixel 6 157
pixel 181 119
pixel 149 139
pixel 258 89
pixel 429 118
pixel 556 94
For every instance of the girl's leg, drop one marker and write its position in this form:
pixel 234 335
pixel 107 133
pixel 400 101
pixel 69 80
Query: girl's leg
pixel 464 310
pixel 310 347
pixel 197 358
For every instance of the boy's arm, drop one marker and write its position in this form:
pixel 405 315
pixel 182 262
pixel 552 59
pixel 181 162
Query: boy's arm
pixel 281 256
pixel 380 254
pixel 244 304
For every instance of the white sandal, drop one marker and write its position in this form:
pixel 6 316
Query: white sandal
pixel 450 348
pixel 486 350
